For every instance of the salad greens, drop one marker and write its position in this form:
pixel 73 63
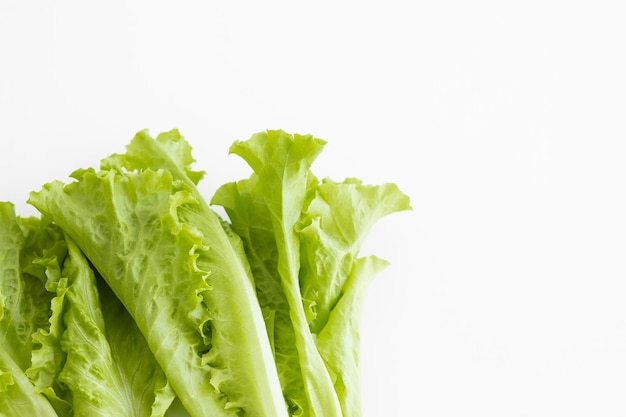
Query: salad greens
pixel 24 304
pixel 130 295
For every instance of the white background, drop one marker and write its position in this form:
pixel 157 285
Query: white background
pixel 503 121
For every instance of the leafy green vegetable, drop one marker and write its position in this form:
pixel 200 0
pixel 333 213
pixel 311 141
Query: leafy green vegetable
pixel 182 277
pixel 24 307
pixel 302 237
pixel 131 296
pixel 85 360
pixel 334 279
pixel 281 165
pixel 251 220
pixel 105 344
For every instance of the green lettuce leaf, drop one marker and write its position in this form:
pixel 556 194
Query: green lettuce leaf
pixel 132 296
pixel 108 368
pixel 168 151
pixel 281 163
pixel 339 340
pixel 47 356
pixel 303 238
pixel 69 358
pixel 332 230
pixel 251 220
pixel 334 281
pixel 178 271
pixel 24 307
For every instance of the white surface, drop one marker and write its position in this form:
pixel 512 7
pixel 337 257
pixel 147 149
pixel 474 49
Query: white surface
pixel 505 125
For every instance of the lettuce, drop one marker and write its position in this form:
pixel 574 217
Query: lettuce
pixel 101 340
pixel 180 274
pixel 303 237
pixel 77 356
pixel 24 308
pixel 132 296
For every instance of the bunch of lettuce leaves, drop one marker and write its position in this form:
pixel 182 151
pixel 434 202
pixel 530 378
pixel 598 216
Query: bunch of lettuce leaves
pixel 131 296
